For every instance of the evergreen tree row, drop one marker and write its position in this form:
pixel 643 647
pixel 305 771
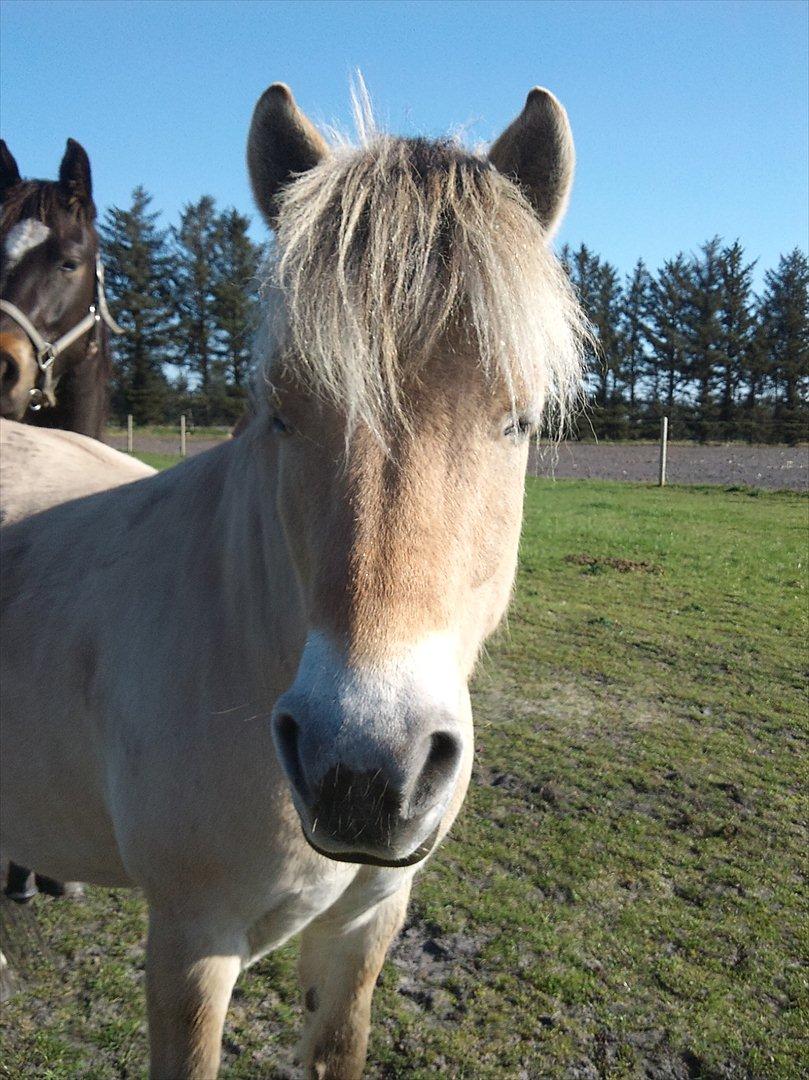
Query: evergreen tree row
pixel 187 297
pixel 693 341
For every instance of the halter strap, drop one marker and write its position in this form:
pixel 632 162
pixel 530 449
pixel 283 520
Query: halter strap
pixel 44 395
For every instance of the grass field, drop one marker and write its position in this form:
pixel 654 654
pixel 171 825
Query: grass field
pixel 624 893
pixel 158 461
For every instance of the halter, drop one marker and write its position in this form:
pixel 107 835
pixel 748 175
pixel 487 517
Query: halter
pixel 43 393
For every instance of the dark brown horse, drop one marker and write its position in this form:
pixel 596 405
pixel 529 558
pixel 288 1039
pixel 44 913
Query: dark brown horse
pixel 54 354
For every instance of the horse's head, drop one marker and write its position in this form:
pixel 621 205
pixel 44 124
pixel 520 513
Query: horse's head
pixel 421 327
pixel 49 246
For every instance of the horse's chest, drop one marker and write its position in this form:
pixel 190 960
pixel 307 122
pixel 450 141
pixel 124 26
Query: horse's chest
pixel 291 912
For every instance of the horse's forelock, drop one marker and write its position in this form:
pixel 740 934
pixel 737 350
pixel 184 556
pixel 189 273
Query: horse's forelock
pixel 383 252
pixel 45 201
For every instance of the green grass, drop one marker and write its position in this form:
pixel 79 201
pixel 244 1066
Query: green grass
pixel 624 893
pixel 158 461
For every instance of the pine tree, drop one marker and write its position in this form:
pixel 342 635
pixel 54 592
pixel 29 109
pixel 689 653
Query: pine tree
pixel 583 268
pixel 738 323
pixel 666 330
pixel 606 318
pixel 137 274
pixel 784 313
pixel 194 281
pixel 703 329
pixel 235 295
pixel 633 322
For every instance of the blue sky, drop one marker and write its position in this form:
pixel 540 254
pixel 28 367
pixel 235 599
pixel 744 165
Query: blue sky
pixel 690 118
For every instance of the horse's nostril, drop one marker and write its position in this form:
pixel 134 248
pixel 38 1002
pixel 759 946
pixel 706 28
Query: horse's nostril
pixel 439 768
pixel 287 733
pixel 9 371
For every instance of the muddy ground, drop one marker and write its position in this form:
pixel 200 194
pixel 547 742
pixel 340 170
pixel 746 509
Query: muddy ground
pixel 772 467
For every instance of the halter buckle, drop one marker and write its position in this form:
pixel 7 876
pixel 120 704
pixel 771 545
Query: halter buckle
pixel 47 360
pixel 36 399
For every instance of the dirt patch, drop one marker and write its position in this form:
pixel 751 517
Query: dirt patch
pixel 163 444
pixel 594 563
pixel 772 467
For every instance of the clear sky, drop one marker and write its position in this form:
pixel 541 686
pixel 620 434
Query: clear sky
pixel 690 118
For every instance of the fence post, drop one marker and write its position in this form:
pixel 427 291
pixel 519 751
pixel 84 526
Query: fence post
pixel 664 436
pixel 129 439
pixel 182 435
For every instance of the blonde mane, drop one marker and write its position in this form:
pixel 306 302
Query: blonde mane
pixel 386 250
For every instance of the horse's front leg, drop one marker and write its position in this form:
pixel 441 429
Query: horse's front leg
pixel 340 962
pixel 190 972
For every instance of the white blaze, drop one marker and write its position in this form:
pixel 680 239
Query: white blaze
pixel 420 674
pixel 22 238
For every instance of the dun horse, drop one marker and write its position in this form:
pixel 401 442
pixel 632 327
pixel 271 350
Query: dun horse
pixel 279 733
pixel 54 355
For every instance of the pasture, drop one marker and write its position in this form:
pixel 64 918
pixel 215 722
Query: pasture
pixel 624 892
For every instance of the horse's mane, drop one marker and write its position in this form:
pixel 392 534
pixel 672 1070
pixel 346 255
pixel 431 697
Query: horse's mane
pixel 386 249
pixel 45 201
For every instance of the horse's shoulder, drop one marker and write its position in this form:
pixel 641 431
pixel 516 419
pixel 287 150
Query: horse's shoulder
pixel 41 468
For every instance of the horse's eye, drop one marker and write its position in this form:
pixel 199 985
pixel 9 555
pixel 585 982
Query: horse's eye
pixel 278 425
pixel 69 265
pixel 519 428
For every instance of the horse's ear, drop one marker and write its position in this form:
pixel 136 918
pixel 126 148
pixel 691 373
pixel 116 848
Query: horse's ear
pixel 282 144
pixel 537 151
pixel 74 174
pixel 9 173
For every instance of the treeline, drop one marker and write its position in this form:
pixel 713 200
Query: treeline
pixel 187 297
pixel 692 341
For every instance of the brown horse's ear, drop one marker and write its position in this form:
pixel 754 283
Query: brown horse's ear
pixel 537 151
pixel 282 144
pixel 74 175
pixel 9 173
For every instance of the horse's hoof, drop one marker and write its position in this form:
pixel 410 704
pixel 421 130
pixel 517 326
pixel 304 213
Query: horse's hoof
pixel 69 890
pixel 20 896
pixel 8 985
pixel 20 885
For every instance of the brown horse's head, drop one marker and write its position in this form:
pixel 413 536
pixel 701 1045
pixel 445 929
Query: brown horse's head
pixel 420 327
pixel 48 245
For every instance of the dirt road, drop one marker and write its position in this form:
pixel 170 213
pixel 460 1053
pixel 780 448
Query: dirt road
pixel 770 467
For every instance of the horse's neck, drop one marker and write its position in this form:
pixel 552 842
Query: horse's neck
pixel 260 590
pixel 82 394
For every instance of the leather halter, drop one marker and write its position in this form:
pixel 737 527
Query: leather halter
pixel 43 393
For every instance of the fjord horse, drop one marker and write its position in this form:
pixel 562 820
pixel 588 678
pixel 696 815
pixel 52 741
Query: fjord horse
pixel 279 732
pixel 54 354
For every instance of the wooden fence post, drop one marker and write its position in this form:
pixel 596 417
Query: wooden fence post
pixel 129 433
pixel 664 436
pixel 182 435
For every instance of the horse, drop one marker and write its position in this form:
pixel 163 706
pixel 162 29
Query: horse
pixel 53 330
pixel 64 466
pixel 55 362
pixel 251 696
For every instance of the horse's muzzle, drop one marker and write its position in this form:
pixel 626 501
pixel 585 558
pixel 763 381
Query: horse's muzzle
pixel 386 813
pixel 17 375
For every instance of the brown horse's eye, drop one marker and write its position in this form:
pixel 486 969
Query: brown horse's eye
pixel 279 426
pixel 69 265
